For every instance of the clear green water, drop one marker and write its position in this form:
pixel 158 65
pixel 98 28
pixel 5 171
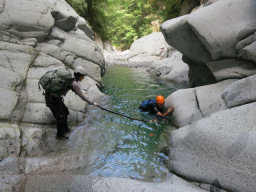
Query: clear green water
pixel 117 146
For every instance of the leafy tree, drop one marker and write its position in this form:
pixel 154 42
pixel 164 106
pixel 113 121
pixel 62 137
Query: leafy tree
pixel 124 21
pixel 79 5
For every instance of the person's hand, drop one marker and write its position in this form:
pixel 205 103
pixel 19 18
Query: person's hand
pixel 170 109
pixel 95 104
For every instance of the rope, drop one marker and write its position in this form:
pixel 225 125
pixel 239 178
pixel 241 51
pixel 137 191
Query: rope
pixel 132 118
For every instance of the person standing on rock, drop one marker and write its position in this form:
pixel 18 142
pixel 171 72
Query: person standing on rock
pixel 56 84
pixel 156 106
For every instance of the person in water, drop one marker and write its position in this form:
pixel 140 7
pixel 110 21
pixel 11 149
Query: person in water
pixel 59 109
pixel 156 106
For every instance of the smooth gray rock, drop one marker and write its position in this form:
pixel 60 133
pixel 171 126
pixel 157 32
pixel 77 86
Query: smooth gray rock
pixel 210 187
pixel 13 47
pixel 79 34
pixel 56 52
pixel 207 22
pixel 75 117
pixel 52 50
pixel 9 140
pixel 27 18
pixel 76 182
pixel 248 52
pixel 84 49
pixel 151 45
pixel 209 97
pixel 17 62
pixel 83 25
pixel 173 70
pixel 63 182
pixel 12 183
pixel 33 141
pixel 143 52
pixel 231 69
pixel 178 34
pixel 218 150
pixel 12 165
pixel 245 42
pixel 196 103
pixel 229 52
pixel 94 94
pixel 9 79
pixel 54 164
pixel 43 60
pixel 240 92
pixel 38 113
pixel 38 140
pixel 74 102
pixel 8 101
pixel 2 5
pixel 186 107
pixel 87 83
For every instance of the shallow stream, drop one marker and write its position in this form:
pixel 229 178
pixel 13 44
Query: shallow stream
pixel 120 147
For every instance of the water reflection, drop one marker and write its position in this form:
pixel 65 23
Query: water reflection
pixel 117 146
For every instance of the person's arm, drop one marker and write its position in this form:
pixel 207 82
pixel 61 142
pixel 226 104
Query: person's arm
pixel 170 109
pixel 79 92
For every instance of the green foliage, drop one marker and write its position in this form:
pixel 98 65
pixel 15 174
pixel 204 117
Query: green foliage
pixel 124 21
pixel 79 5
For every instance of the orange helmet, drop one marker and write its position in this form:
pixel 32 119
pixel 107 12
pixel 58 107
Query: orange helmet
pixel 160 99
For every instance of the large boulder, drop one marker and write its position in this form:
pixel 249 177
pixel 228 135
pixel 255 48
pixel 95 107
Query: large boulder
pixel 27 18
pixel 35 37
pixel 196 103
pixel 240 92
pixel 142 53
pixel 151 45
pixel 218 150
pixel 172 69
pixel 198 37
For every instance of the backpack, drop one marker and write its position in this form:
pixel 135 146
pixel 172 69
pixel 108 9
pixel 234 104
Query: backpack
pixel 56 82
pixel 147 105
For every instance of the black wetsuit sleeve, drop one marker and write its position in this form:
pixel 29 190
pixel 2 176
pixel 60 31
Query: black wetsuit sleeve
pixel 155 110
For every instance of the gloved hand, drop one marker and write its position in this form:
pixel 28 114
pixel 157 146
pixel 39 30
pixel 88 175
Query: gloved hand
pixel 170 109
pixel 95 104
